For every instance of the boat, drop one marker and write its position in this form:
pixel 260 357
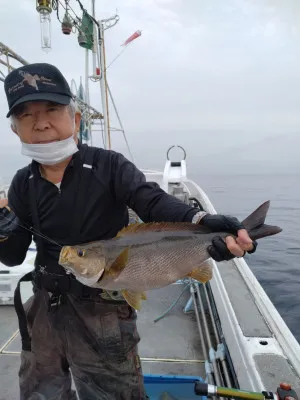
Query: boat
pixel 221 339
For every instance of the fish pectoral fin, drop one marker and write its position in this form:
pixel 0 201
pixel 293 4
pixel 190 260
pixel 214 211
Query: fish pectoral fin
pixel 134 298
pixel 203 273
pixel 120 262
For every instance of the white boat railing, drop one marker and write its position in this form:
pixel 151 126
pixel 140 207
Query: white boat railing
pixel 4 191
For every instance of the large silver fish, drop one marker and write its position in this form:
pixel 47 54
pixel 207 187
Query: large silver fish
pixel 152 255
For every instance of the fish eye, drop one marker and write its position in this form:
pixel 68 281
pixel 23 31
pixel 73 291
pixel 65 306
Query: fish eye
pixel 80 253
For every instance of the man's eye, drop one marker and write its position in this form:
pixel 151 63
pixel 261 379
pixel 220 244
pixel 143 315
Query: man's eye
pixel 51 109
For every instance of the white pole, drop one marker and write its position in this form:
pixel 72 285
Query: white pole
pixel 103 88
pixel 95 38
pixel 87 94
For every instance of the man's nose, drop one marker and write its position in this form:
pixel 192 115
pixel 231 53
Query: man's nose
pixel 41 122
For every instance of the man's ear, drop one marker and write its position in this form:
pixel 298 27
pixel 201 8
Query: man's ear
pixel 12 127
pixel 77 120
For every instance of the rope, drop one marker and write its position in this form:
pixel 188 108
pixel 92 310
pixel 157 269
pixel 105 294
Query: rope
pixel 172 305
pixel 85 11
pixel 120 122
pixel 117 56
pixel 76 20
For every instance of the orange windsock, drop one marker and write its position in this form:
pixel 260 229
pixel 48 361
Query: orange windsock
pixel 132 37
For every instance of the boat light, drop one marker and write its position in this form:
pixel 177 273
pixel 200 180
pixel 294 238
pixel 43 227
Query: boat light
pixel 44 8
pixel 67 24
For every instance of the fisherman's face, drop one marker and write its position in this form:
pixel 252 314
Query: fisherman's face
pixel 45 122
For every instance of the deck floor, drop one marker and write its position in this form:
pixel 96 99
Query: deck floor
pixel 170 346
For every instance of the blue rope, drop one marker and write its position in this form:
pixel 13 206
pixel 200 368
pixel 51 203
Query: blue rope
pixel 173 305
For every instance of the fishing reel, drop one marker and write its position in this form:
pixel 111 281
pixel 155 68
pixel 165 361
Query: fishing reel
pixel 284 392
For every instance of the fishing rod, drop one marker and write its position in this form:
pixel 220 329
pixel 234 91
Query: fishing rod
pixel 31 230
pixel 284 392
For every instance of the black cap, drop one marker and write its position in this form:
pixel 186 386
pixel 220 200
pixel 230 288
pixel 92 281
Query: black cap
pixel 35 82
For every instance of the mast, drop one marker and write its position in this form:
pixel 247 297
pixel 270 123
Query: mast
pixel 95 43
pixel 87 87
pixel 102 26
pixel 100 73
pixel 103 87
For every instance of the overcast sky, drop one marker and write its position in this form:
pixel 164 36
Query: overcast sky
pixel 208 75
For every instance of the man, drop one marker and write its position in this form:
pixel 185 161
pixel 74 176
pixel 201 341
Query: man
pixel 73 194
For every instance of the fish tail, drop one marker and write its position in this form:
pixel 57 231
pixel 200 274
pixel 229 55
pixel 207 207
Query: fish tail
pixel 255 223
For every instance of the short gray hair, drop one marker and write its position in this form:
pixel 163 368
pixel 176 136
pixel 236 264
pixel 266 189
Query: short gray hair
pixel 73 108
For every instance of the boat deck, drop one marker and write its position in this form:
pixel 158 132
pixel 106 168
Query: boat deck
pixel 169 346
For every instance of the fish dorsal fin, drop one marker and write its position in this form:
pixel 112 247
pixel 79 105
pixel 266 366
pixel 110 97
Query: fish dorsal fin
pixel 160 227
pixel 128 229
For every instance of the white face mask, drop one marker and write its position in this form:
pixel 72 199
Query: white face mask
pixel 50 153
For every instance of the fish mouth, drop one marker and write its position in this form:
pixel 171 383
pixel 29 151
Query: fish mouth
pixel 63 257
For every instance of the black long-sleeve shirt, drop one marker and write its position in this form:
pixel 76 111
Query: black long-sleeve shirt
pixel 116 183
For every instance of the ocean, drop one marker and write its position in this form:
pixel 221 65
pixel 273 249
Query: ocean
pixel 276 262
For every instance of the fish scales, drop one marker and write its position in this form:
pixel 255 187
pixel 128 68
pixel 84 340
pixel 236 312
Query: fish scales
pixel 159 264
pixel 152 255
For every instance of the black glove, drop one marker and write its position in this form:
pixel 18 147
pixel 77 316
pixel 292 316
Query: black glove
pixel 222 223
pixel 8 222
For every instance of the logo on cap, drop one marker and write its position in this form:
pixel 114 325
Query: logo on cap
pixel 31 80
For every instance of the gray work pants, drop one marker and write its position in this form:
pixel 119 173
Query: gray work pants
pixel 94 338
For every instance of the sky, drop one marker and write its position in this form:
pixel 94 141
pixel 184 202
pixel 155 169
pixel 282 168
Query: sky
pixel 219 78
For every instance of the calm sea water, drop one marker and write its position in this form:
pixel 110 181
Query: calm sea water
pixel 276 263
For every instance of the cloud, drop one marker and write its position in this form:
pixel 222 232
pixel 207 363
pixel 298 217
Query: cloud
pixel 200 72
